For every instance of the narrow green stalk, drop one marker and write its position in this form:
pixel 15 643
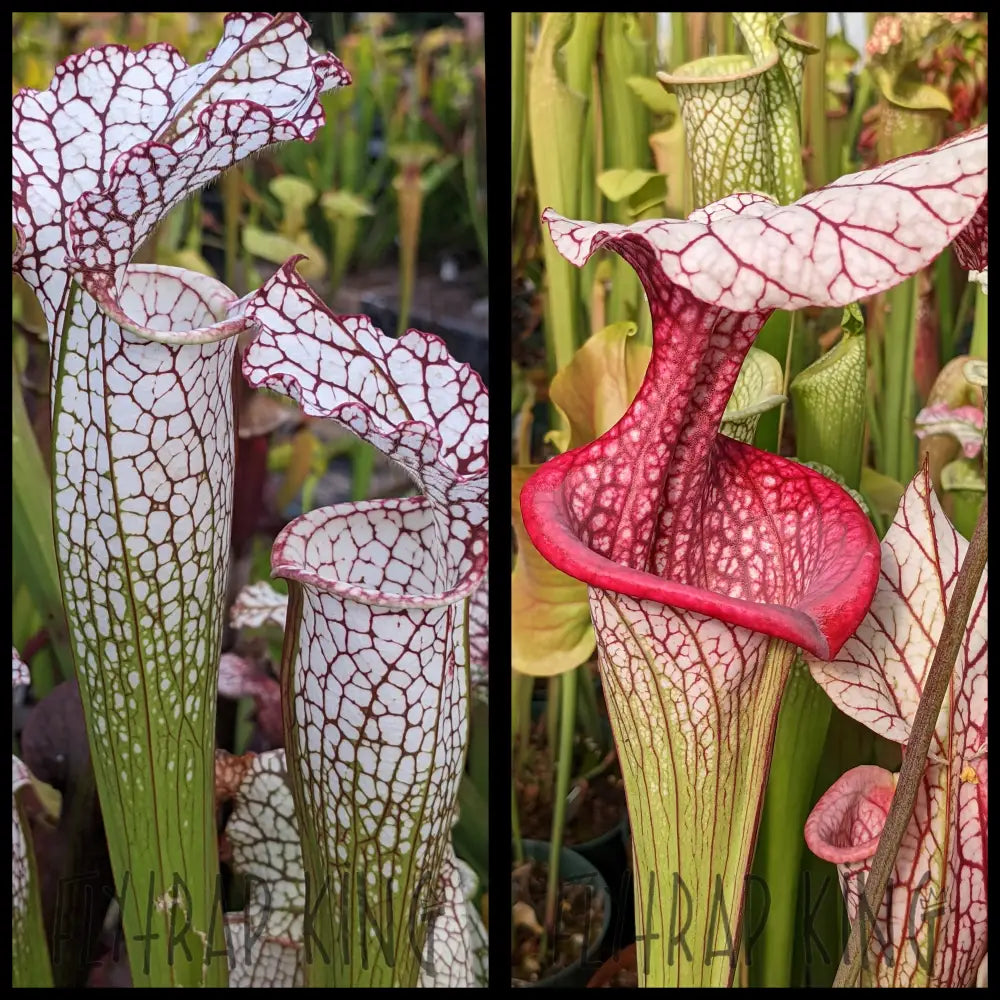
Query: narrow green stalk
pixel 518 91
pixel 937 684
pixel 977 348
pixel 564 765
pixel 582 77
pixel 231 210
pixel 678 40
pixel 623 53
pixel 515 826
pixel 410 194
pixel 556 115
pixel 774 338
pixel 944 291
pixel 899 401
pixel 864 96
pixel 786 368
pixel 521 691
pixel 815 101
pixel 362 464
pixel 590 721
pixel 552 702
pixel 798 749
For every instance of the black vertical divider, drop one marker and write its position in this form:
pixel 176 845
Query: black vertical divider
pixel 498 116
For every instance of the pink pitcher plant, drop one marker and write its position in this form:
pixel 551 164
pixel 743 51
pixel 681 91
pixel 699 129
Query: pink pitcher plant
pixel 709 561
pixel 931 928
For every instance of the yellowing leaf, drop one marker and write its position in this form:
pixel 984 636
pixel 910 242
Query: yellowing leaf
pixel 551 630
pixel 277 248
pixel 345 205
pixel 595 388
pixel 653 94
pixel 295 195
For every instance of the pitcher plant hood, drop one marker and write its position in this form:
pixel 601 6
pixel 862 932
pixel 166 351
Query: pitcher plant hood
pixel 662 507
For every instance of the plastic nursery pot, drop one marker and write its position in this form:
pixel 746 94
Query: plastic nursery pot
pixel 623 961
pixel 576 870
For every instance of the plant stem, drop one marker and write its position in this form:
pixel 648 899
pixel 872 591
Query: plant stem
pixel 231 202
pixel 977 347
pixel 518 132
pixel 678 40
pixel 815 86
pixel 898 410
pixel 564 765
pixel 944 290
pixel 515 826
pixel 863 96
pixel 938 681
pixel 554 685
pixel 792 323
pixel 798 747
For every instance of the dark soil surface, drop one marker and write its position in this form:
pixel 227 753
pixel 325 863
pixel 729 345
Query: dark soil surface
pixel 578 924
pixel 595 806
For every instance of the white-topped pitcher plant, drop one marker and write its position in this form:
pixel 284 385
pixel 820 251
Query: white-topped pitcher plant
pixel 142 462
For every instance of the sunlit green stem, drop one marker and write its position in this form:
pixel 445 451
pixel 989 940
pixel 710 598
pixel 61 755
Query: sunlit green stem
pixel 556 116
pixel 590 723
pixel 815 101
pixel 829 402
pixel 521 690
pixel 864 96
pixel 678 40
pixel 515 826
pixel 624 53
pixel 564 765
pixel 518 135
pixel 977 348
pixel 362 465
pixel 552 703
pixel 798 748
pixel 899 399
pixel 410 195
pixel 776 339
pixel 345 238
pixel 944 292
pixel 232 204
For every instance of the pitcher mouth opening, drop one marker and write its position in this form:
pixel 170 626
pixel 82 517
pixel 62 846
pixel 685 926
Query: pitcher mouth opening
pixel 385 553
pixel 812 621
pixel 846 823
pixel 171 305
